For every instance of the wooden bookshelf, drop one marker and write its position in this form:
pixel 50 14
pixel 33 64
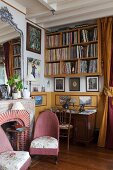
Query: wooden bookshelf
pixel 74 52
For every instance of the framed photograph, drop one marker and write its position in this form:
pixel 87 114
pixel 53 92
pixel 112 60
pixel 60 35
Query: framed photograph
pixel 74 84
pixel 92 83
pixel 33 39
pixel 59 84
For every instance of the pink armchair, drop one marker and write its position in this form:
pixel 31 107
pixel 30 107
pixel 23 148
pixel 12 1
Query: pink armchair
pixel 46 135
pixel 18 160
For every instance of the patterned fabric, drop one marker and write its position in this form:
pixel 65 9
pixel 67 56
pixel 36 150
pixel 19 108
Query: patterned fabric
pixel 13 160
pixel 44 142
pixel 65 126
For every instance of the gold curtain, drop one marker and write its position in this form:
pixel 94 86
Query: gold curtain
pixel 106 37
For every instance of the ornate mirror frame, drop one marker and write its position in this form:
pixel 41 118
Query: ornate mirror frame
pixel 7 17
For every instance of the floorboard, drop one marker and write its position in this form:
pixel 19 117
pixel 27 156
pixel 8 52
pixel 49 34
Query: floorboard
pixel 79 157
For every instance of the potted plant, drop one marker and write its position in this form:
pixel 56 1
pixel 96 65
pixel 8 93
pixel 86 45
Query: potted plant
pixel 16 86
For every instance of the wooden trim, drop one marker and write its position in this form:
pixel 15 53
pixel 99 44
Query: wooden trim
pixel 78 95
pixel 13 6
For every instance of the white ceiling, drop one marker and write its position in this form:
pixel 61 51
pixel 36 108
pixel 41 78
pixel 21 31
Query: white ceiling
pixel 7 32
pixel 51 13
pixel 66 11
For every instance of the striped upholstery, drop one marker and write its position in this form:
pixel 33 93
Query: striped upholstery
pixel 4 142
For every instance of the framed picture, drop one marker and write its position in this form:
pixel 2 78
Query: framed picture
pixel 40 100
pixel 59 84
pixel 85 100
pixel 33 67
pixel 74 84
pixel 33 38
pixel 92 83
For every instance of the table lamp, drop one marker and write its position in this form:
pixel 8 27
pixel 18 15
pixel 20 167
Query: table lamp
pixel 73 100
pixel 30 78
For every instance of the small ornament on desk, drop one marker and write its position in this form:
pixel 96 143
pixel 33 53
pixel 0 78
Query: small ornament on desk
pixel 81 109
pixel 35 88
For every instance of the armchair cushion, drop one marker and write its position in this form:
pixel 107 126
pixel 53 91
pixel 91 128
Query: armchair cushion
pixel 13 159
pixel 44 142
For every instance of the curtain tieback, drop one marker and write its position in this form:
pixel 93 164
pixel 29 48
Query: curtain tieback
pixel 108 91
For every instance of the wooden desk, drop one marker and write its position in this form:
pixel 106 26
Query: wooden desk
pixel 17 134
pixel 84 124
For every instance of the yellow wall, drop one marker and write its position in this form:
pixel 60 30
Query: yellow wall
pixel 46 104
pixel 51 99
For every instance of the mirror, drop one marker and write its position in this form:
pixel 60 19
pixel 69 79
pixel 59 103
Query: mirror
pixel 11 43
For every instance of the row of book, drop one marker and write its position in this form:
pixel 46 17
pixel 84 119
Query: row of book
pixel 52 69
pixel 16 50
pixel 70 68
pixel 69 38
pixel 53 40
pixel 88 66
pixel 88 35
pixel 17 62
pixel 17 72
pixel 57 54
pixel 90 50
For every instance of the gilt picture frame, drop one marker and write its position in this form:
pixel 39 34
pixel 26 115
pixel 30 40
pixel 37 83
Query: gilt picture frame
pixel 33 39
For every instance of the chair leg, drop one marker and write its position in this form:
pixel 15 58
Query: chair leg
pixel 56 160
pixel 68 143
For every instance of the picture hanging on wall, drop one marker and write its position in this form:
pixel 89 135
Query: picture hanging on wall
pixel 74 84
pixel 33 38
pixel 33 67
pixel 92 83
pixel 85 100
pixel 59 84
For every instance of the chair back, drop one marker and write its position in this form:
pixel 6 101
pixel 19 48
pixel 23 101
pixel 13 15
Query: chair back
pixel 4 142
pixel 47 124
pixel 64 116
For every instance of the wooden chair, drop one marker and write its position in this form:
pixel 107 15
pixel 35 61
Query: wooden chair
pixel 66 128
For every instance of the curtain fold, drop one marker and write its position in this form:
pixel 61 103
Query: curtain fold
pixel 109 136
pixel 106 27
pixel 6 53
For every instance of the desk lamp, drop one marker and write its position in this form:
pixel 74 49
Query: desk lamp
pixel 73 100
pixel 30 78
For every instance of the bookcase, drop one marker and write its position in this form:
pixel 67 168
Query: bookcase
pixel 16 47
pixel 2 57
pixel 73 52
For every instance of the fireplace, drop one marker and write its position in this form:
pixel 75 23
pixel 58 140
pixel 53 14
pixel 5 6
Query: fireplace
pixel 22 117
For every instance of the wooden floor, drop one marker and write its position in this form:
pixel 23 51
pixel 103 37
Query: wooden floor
pixel 79 157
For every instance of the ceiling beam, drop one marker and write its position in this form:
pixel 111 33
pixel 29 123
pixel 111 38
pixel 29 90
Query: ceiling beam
pixel 74 13
pixel 48 6
pixel 80 18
